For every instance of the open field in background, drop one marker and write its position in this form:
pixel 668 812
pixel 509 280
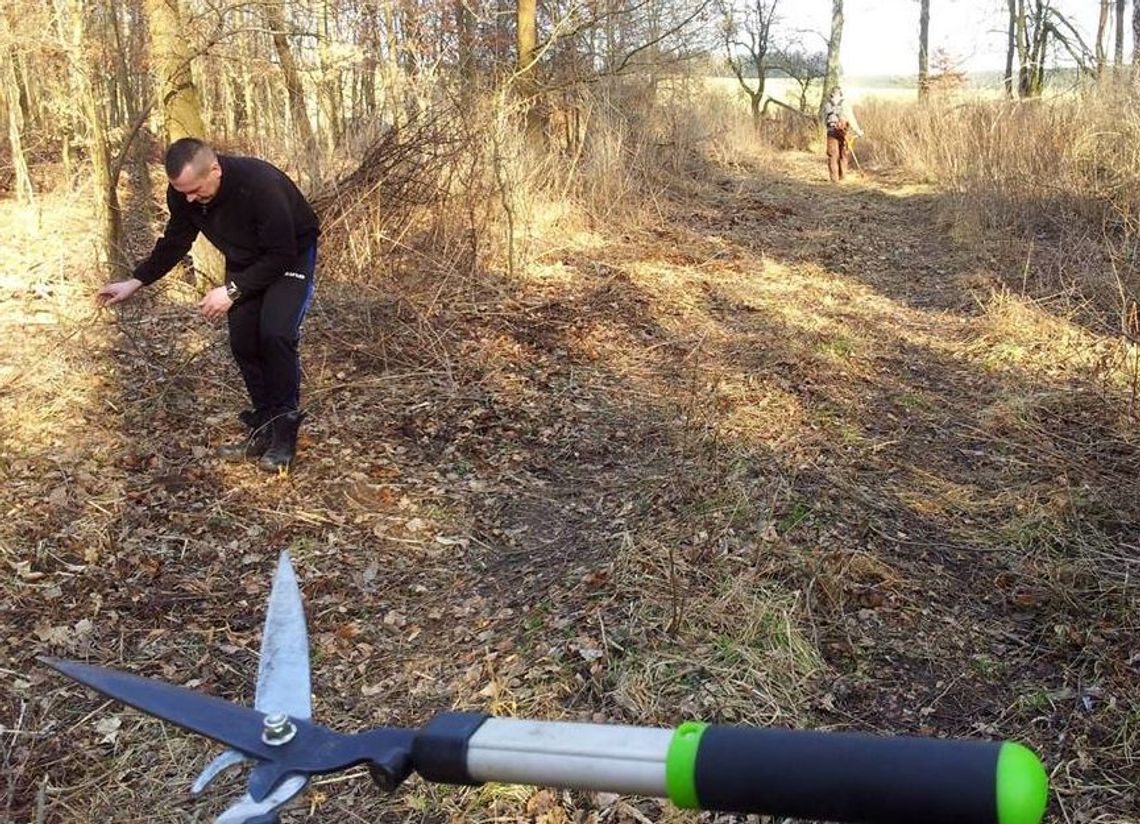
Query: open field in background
pixel 891 90
pixel 859 90
pixel 732 443
pixel 787 91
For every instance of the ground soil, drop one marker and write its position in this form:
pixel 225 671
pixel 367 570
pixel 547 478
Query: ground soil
pixel 786 453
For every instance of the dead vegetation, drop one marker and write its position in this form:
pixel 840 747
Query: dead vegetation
pixel 763 451
pixel 1049 185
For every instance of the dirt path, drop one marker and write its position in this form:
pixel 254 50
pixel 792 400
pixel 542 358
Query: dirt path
pixel 787 455
pixel 973 459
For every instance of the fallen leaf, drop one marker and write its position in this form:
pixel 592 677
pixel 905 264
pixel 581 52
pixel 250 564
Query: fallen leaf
pixel 108 728
pixel 395 619
pixel 54 636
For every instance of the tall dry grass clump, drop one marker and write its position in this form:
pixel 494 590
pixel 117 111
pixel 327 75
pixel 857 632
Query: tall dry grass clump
pixel 1040 164
pixel 1060 175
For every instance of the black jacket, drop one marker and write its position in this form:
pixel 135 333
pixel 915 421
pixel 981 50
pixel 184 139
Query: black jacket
pixel 258 219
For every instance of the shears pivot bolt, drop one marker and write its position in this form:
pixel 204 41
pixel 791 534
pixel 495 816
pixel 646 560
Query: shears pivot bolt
pixel 278 729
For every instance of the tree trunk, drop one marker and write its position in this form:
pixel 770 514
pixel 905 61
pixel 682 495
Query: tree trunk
pixel 310 156
pixel 131 103
pixel 1024 78
pixel 181 110
pixel 832 79
pixel 1011 47
pixel 237 95
pixel 395 80
pixel 1118 53
pixel 1135 40
pixel 1101 30
pixel 170 50
pixel 1039 47
pixel 369 64
pixel 329 87
pixel 253 114
pixel 924 50
pixel 28 109
pixel 465 26
pixel 526 69
pixel 526 47
pixel 611 53
pixel 25 191
pixel 368 84
pixel 106 185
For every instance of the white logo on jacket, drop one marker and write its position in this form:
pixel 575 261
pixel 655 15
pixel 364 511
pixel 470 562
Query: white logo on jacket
pixel 297 275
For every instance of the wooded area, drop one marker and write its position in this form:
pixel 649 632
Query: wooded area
pixel 318 82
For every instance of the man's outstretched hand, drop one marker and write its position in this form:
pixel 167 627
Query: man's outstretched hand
pixel 215 304
pixel 119 291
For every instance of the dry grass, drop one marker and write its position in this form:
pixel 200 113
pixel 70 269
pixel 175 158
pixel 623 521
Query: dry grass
pixel 1052 183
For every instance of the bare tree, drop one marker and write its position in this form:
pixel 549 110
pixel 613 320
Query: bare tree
pixel 254 75
pixel 803 67
pixel 526 46
pixel 331 84
pixel 747 35
pixel 275 17
pixel 946 76
pixel 1135 40
pixel 1011 48
pixel 1034 24
pixel 1118 54
pixel 181 107
pixel 93 113
pixel 465 40
pixel 9 85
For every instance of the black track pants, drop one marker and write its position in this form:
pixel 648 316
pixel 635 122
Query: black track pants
pixel 265 330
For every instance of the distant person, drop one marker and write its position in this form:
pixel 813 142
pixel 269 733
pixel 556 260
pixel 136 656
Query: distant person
pixel 840 120
pixel 267 231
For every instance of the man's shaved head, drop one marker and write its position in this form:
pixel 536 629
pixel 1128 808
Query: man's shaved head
pixel 189 151
pixel 193 169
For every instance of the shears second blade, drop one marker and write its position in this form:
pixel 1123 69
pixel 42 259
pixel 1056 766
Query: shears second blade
pixel 283 680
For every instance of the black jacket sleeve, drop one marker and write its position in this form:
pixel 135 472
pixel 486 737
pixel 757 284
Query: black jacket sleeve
pixel 172 246
pixel 275 239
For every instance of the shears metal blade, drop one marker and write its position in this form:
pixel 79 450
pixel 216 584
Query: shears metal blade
pixel 283 686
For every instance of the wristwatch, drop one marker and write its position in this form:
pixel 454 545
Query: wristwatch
pixel 232 291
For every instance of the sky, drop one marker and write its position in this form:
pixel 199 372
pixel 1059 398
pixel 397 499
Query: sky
pixel 880 37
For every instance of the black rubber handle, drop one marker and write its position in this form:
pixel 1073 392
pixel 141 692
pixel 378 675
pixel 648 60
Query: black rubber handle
pixel 855 778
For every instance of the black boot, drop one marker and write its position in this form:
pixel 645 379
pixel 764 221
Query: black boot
pixel 280 454
pixel 256 441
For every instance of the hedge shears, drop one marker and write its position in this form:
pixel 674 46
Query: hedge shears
pixel 848 777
